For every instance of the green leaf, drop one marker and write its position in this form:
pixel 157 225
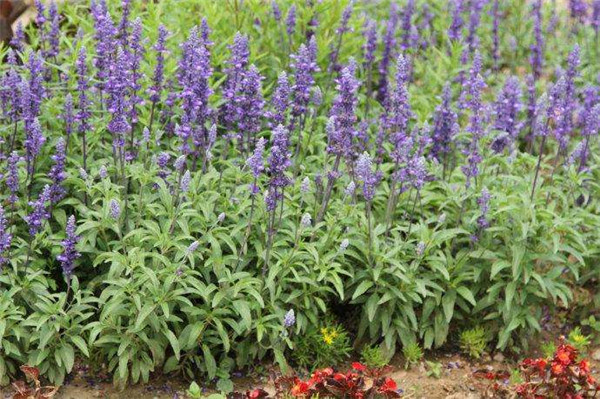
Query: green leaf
pixel 518 251
pixel 510 293
pixel 362 288
pixel 68 357
pixel 448 304
pixel 144 313
pixel 497 267
pixel 209 361
pixel 225 385
pixel 466 293
pixel 80 343
pixel 280 359
pixel 174 342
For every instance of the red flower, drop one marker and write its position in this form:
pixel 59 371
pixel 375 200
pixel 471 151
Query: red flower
pixel 565 354
pixel 557 368
pixel 257 394
pixel 388 385
pixel 359 366
pixel 584 366
pixel 300 389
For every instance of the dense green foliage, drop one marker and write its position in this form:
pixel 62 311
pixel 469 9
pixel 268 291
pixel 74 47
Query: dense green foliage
pixel 141 302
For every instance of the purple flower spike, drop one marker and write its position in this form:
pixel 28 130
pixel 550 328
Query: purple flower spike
pixel 57 172
pixel 205 33
pixel 70 253
pixel 194 74
pixel 136 55
pixel 34 140
pixel 192 247
pixel 304 65
pixel 276 11
pixel 68 115
pixel 484 206
pixel 256 163
pixel 35 65
pixel 399 111
pixel 389 43
pixel 5 239
pixel 124 24
pixel 290 20
pixel 18 40
pixel 251 106
pixel 281 100
pixel 343 114
pixel 305 186
pixel 54 33
pixel 236 66
pixel 105 35
pixel 477 120
pixel 564 125
pixel 289 319
pixel 455 30
pixel 162 160
pixel 536 57
pixel 495 33
pixel 12 176
pixel 578 10
pixel 365 173
pixel 184 186
pixel 407 25
pixel 596 15
pixel 474 21
pixel 370 45
pixel 117 88
pixel 279 162
pixel 506 110
pixel 445 127
pixel 39 213
pixel 159 70
pixel 83 111
pixel 336 46
pixel 40 19
pixel 115 209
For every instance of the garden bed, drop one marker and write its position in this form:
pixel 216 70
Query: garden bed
pixel 230 191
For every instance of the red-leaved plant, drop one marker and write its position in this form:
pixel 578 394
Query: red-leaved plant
pixel 562 376
pixel 360 383
pixel 250 394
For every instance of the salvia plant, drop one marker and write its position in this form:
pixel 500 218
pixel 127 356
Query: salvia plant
pixel 188 187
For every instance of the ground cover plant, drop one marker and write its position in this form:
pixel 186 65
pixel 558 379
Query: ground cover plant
pixel 193 187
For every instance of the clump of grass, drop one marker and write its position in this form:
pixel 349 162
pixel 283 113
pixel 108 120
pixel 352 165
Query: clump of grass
pixel 374 357
pixel 473 342
pixel 580 341
pixel 412 354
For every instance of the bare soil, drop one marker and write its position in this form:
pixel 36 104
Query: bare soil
pixel 456 382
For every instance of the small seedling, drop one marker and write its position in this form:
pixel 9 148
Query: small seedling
pixel 412 354
pixel 373 357
pixel 434 369
pixel 548 349
pixel 473 342
pixel 579 341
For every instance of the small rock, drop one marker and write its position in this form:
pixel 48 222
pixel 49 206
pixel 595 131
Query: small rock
pixel 499 357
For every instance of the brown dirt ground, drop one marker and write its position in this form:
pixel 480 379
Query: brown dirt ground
pixel 457 382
